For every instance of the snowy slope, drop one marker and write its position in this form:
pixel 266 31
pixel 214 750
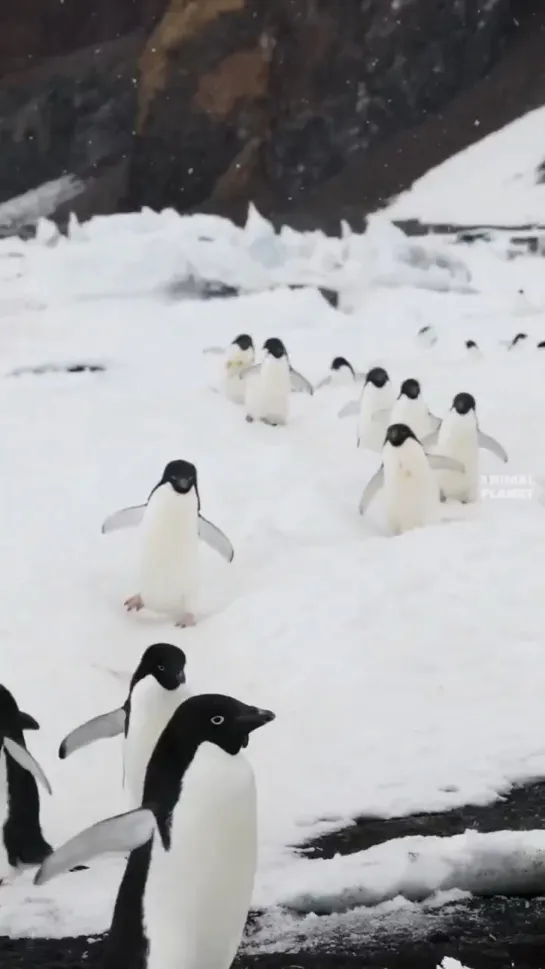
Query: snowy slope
pixel 492 182
pixel 407 674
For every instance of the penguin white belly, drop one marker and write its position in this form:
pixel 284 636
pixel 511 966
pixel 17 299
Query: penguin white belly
pixel 5 867
pixel 412 496
pixel 461 444
pixel 233 387
pixel 169 557
pixel 269 395
pixel 233 368
pixel 413 413
pixel 374 419
pixel 198 893
pixel 151 710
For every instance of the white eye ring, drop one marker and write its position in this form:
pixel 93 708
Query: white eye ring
pixel 217 720
pixel 161 668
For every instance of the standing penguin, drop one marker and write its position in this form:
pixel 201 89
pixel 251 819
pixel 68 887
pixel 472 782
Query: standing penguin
pixel 411 409
pixel 427 337
pixel 460 437
pixel 411 489
pixel 341 372
pixel 157 688
pixel 268 393
pixel 172 524
pixel 22 841
pixel 373 409
pixel 187 887
pixel 238 357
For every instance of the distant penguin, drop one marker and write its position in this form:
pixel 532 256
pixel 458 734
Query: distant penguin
pixel 522 305
pixel 268 393
pixel 427 337
pixel 157 688
pixel 518 340
pixel 341 373
pixel 187 887
pixel 473 349
pixel 541 345
pixel 373 409
pixel 459 437
pixel 410 486
pixel 411 409
pixel 171 524
pixel 22 841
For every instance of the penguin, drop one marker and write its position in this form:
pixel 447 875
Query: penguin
pixel 406 473
pixel 238 357
pixel 427 337
pixel 460 437
pixel 172 524
pixel 473 349
pixel 157 688
pixel 411 409
pixel 517 341
pixel 341 372
pixel 540 345
pixel 522 305
pixel 187 887
pixel 22 842
pixel 268 394
pixel 373 409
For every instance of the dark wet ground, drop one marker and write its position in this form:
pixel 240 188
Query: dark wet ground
pixel 495 933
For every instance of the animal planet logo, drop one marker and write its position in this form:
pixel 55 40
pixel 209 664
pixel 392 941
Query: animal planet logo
pixel 517 487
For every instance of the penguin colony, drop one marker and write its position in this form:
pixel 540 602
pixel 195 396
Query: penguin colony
pixel 190 829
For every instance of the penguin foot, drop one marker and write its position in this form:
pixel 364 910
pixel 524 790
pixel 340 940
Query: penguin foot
pixel 134 603
pixel 188 619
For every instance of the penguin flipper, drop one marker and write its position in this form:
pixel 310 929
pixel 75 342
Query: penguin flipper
pixel 26 722
pixel 325 382
pixel 350 409
pixel 124 518
pixel 216 351
pixel 300 384
pixel 439 462
pixel 492 445
pixel 373 486
pixel 25 760
pixel 435 421
pixel 99 728
pixel 215 538
pixel 430 439
pixel 123 833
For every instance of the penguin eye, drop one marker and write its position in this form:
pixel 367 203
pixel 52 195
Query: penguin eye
pixel 161 668
pixel 217 720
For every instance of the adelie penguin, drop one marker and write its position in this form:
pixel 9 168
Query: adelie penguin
pixel 411 409
pixel 473 349
pixel 22 840
pixel 411 490
pixel 341 373
pixel 186 891
pixel 157 688
pixel 238 358
pixel 171 527
pixel 269 385
pixel 427 337
pixel 459 437
pixel 373 409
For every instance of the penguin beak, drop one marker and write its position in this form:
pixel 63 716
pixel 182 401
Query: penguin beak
pixel 251 719
pixel 181 677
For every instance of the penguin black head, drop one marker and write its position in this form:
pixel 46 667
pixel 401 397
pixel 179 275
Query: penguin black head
pixel 181 475
pixel 410 388
pixel 243 342
pixel 275 347
pixel 165 663
pixel 463 403
pixel 397 434
pixel 378 377
pixel 340 362
pixel 471 345
pixel 217 719
pixel 12 720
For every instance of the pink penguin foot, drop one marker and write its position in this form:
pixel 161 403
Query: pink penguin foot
pixel 188 619
pixel 134 603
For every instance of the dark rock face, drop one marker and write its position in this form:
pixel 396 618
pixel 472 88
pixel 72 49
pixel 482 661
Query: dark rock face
pixel 210 103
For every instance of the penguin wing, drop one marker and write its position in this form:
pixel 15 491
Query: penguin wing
pixel 216 351
pixel 300 384
pixel 430 439
pixel 99 728
pixel 215 538
pixel 26 722
pixel 374 485
pixel 350 409
pixel 492 445
pixel 125 832
pixel 26 760
pixel 439 462
pixel 324 382
pixel 124 518
pixel 436 421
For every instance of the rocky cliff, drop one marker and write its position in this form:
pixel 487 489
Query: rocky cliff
pixel 208 103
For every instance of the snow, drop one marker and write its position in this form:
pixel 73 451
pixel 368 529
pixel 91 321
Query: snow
pixel 407 674
pixel 493 182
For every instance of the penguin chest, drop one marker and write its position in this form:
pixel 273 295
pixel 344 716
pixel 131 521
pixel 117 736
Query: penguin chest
pixel 412 494
pixel 198 893
pixel 271 391
pixel 373 423
pixel 151 709
pixel 414 414
pixel 169 555
pixel 460 443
